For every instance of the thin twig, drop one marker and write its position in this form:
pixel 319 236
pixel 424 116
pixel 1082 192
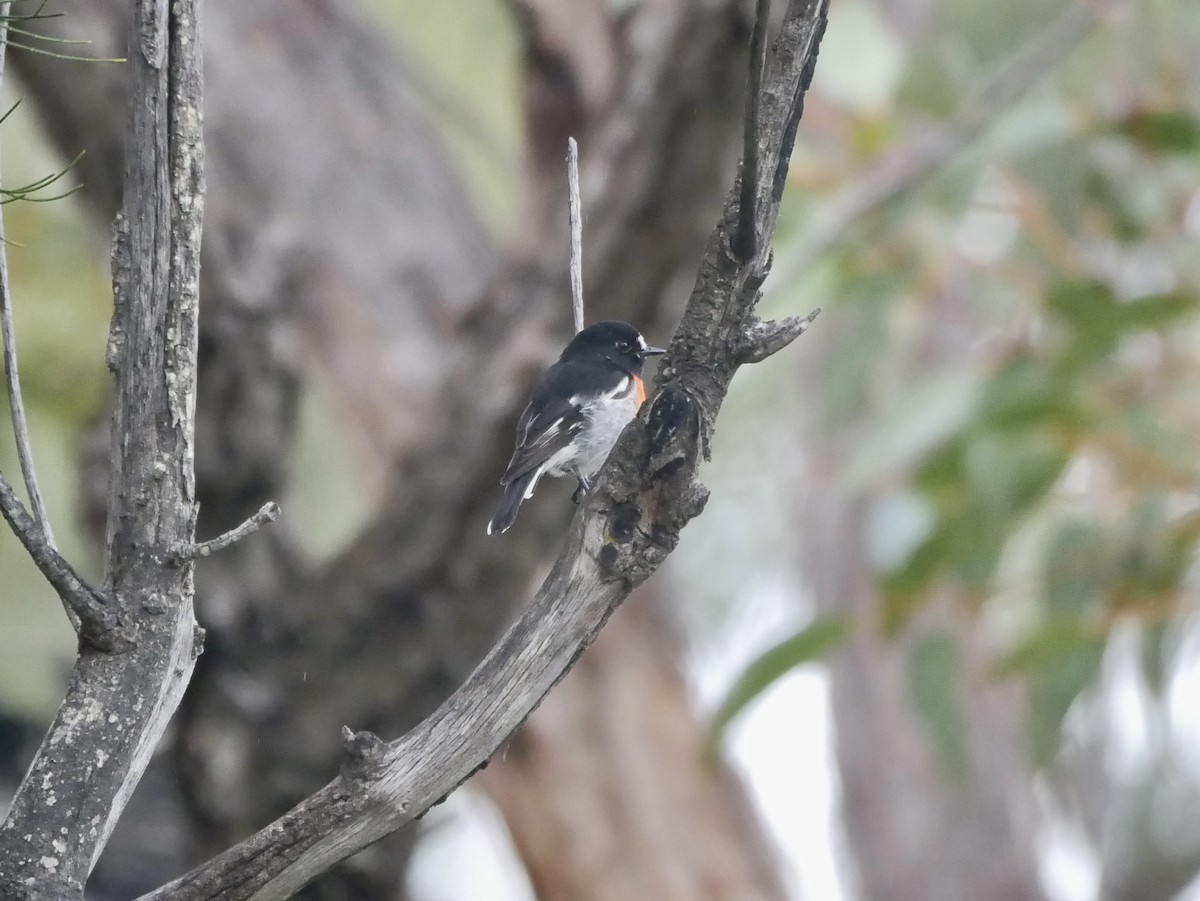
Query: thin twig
pixel 13 380
pixel 576 214
pixel 269 512
pixel 745 240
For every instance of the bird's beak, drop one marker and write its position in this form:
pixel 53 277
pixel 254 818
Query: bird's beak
pixel 652 351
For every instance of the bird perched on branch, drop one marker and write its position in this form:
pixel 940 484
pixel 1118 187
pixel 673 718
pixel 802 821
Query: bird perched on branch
pixel 576 413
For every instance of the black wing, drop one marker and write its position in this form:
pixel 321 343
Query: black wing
pixel 555 415
pixel 548 425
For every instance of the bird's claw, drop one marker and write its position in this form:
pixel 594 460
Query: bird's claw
pixel 580 490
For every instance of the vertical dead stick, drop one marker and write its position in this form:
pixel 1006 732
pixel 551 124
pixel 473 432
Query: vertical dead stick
pixel 576 214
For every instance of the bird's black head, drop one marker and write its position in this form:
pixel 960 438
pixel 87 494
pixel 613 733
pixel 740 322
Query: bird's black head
pixel 616 341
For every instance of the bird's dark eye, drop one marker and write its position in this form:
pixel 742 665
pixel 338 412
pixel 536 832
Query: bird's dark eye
pixel 623 346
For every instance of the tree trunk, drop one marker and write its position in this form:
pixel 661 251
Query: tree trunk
pixel 609 793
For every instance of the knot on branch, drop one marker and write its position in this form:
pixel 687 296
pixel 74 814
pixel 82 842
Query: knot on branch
pixel 365 759
pixel 102 626
pixel 644 527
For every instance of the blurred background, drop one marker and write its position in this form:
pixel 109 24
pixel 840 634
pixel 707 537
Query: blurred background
pixel 935 635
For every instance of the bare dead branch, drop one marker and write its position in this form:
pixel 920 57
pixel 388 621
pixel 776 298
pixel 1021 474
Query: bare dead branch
pixel 575 207
pixel 762 339
pixel 118 705
pixel 626 527
pixel 745 240
pixel 267 513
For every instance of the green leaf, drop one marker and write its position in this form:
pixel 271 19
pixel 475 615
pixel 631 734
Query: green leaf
pixel 1155 311
pixel 934 679
pixel 905 588
pixel 1157 557
pixel 1076 566
pixel 1097 319
pixel 931 413
pixel 811 642
pixel 1082 302
pixel 1163 131
pixel 1025 392
pixel 1053 691
pixel 1092 312
pixel 1058 662
pixel 1008 472
pixel 1043 649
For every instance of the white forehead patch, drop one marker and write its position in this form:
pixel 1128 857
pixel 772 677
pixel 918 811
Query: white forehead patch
pixel 641 342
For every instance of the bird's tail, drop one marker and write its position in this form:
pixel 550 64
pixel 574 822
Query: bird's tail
pixel 514 493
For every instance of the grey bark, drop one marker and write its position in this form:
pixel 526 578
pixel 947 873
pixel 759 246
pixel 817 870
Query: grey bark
pixel 119 702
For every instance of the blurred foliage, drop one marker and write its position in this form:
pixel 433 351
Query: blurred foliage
pixel 467 55
pixel 934 681
pixel 810 643
pixel 1017 341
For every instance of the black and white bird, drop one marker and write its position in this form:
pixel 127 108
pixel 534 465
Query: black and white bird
pixel 576 413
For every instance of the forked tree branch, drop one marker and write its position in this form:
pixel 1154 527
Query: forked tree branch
pixel 118 704
pixel 98 616
pixel 624 530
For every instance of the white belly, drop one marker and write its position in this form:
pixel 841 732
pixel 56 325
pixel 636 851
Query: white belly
pixel 605 423
pixel 605 420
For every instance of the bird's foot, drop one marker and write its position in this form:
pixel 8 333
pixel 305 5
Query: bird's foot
pixel 583 488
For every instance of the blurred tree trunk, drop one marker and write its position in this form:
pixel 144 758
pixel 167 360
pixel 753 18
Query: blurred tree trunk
pixel 606 791
pixel 916 831
pixel 340 248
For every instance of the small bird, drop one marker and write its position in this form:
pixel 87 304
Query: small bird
pixel 576 413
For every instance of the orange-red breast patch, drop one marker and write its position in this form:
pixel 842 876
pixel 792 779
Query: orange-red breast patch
pixel 640 387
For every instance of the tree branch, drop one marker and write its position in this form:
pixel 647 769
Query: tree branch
pixel 746 239
pixel 118 705
pixel 762 339
pixel 12 378
pixel 625 529
pixel 267 513
pixel 98 616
